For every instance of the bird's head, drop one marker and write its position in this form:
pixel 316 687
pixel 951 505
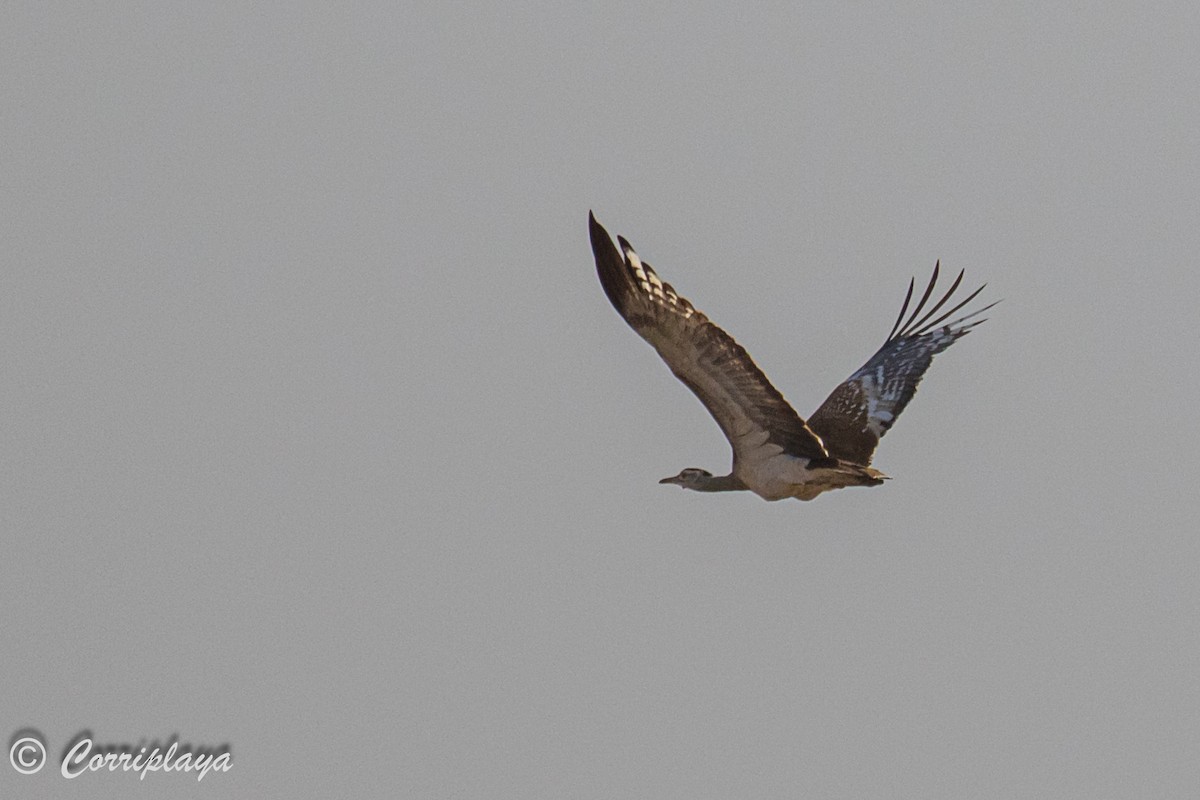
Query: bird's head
pixel 689 478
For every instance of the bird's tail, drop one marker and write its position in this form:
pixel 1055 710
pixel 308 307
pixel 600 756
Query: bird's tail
pixel 844 473
pixel 830 474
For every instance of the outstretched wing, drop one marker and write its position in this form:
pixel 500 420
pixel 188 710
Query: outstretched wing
pixel 855 417
pixel 750 411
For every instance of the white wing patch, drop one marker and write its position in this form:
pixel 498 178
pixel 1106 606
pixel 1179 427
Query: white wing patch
pixel 860 411
pixel 651 284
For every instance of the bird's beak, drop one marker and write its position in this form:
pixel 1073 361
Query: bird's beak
pixel 672 479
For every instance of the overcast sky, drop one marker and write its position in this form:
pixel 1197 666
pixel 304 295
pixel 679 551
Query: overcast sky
pixel 321 439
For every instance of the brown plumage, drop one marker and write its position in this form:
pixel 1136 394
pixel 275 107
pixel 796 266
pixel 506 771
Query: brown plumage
pixel 776 454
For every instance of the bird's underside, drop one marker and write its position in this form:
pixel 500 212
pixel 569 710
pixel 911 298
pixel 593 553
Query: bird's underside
pixel 776 453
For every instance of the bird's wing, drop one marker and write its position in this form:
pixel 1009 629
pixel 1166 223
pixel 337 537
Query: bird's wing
pixel 858 413
pixel 750 411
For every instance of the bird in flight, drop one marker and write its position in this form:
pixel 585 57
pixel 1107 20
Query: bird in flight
pixel 776 454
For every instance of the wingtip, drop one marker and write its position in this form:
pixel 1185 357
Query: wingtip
pixel 599 236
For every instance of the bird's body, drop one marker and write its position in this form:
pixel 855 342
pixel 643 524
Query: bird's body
pixel 775 475
pixel 776 454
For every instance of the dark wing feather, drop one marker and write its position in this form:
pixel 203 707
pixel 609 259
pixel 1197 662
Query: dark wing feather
pixel 705 358
pixel 858 413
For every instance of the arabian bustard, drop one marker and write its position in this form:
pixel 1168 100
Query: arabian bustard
pixel 776 454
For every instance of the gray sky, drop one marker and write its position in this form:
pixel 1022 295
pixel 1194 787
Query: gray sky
pixel 322 440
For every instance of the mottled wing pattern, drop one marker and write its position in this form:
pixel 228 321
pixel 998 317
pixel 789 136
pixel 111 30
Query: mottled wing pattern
pixel 858 413
pixel 708 361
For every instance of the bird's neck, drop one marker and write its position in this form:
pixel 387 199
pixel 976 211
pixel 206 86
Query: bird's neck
pixel 720 483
